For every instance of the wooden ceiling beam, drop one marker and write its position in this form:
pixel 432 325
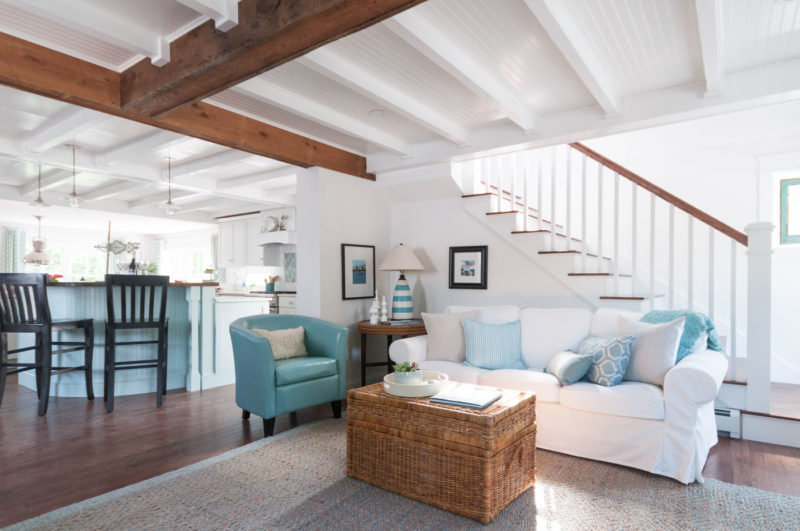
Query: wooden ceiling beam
pixel 205 60
pixel 33 68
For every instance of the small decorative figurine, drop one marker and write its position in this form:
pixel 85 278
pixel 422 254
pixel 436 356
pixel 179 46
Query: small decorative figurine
pixel 373 312
pixel 384 316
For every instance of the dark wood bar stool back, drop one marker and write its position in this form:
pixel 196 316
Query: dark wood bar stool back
pixel 136 302
pixel 24 310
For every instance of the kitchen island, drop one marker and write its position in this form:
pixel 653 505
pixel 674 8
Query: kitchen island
pixel 190 309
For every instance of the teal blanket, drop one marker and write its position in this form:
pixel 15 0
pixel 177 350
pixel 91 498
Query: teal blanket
pixel 696 323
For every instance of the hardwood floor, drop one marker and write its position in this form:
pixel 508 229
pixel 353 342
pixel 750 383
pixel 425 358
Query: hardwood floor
pixel 78 451
pixel 785 400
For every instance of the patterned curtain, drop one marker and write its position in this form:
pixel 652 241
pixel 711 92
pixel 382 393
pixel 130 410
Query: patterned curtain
pixel 13 250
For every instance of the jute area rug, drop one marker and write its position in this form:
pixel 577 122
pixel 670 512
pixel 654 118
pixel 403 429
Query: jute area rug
pixel 297 480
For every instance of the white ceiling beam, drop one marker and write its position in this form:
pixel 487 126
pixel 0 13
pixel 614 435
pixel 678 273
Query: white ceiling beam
pixel 709 24
pixel 225 13
pixel 341 70
pixel 129 150
pixel 49 180
pixel 213 202
pixel 569 39
pixel 328 116
pixel 223 158
pixel 110 190
pixel 102 22
pixel 60 128
pixel 746 89
pixel 255 178
pixel 161 197
pixel 417 31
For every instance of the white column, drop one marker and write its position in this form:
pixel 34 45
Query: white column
pixel 759 321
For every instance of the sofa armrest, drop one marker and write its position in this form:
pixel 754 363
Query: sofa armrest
pixel 697 378
pixel 409 349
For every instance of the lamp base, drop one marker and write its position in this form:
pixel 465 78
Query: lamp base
pixel 402 306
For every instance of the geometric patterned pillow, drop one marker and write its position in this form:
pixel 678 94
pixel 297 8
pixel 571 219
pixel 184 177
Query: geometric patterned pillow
pixel 611 357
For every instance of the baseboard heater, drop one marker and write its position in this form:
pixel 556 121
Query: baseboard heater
pixel 729 422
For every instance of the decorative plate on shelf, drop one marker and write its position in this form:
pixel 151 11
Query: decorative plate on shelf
pixel 270 224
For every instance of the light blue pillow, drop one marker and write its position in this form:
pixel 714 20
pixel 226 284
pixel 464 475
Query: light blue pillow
pixel 492 346
pixel 696 324
pixel 610 358
pixel 569 367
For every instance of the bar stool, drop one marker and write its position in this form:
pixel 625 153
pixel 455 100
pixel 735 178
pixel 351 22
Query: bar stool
pixel 24 310
pixel 135 298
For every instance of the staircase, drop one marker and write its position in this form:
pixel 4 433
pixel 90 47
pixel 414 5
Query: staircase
pixel 610 236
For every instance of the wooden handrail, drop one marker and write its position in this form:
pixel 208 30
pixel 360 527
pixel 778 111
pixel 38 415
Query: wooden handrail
pixel 724 228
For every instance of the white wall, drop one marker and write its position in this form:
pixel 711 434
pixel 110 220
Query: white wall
pixel 431 227
pixel 333 209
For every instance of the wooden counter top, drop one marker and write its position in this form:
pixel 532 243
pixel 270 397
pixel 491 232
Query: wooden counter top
pixel 102 284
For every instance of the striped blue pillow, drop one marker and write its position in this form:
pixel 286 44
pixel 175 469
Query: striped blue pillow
pixel 492 346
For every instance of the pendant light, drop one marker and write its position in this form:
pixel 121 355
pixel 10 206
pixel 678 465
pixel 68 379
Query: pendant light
pixel 169 207
pixel 73 198
pixel 38 256
pixel 39 203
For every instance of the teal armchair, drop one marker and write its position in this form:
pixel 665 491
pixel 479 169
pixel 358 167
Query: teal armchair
pixel 270 388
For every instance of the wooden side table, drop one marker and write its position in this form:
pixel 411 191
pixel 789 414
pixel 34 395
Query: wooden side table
pixel 415 328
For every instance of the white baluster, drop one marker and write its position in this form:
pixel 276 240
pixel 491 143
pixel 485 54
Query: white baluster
pixel 690 242
pixel 600 260
pixel 487 177
pixel 539 199
pixel 616 233
pixel 711 278
pixel 671 265
pixel 634 193
pixel 583 214
pixel 734 329
pixel 568 224
pixel 553 203
pixel 501 182
pixel 652 251
pixel 525 203
pixel 514 175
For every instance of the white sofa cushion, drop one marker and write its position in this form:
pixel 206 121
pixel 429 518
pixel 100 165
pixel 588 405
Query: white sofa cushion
pixel 545 386
pixel 548 331
pixel 654 349
pixel 455 371
pixel 604 321
pixel 489 314
pixel 446 335
pixel 628 399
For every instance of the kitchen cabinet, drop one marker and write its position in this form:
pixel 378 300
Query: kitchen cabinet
pixel 227 309
pixel 238 243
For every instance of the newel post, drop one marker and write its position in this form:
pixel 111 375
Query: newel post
pixel 759 319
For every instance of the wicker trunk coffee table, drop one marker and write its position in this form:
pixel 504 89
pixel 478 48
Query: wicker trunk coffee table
pixel 467 461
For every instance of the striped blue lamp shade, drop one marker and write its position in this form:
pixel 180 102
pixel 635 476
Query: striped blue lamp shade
pixel 402 259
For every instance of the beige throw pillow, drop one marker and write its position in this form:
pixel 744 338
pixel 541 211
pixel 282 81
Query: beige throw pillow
pixel 286 343
pixel 654 351
pixel 446 335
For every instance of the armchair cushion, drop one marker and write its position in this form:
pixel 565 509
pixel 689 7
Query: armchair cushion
pixel 295 370
pixel 285 343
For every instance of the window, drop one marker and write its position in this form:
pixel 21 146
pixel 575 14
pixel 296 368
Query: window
pixel 72 264
pixel 790 211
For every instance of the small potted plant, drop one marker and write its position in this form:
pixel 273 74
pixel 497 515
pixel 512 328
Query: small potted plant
pixel 407 373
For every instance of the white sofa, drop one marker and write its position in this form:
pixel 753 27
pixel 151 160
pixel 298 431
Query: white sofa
pixel 665 431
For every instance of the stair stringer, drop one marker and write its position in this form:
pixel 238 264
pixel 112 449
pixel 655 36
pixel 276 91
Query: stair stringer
pixel 558 266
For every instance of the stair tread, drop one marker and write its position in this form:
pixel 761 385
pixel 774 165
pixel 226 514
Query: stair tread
pixel 464 196
pixel 629 298
pixel 596 275
pixel 503 212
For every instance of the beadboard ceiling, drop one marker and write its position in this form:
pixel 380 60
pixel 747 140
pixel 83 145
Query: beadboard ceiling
pixel 445 80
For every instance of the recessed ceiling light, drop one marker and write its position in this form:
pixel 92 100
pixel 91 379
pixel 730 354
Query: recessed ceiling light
pixel 377 113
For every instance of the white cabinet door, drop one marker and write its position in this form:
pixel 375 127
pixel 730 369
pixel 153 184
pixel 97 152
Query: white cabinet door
pixel 240 242
pixel 226 243
pixel 255 253
pixel 225 314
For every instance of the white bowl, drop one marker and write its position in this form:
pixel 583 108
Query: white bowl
pixel 432 383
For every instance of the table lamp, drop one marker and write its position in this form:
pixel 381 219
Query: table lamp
pixel 402 259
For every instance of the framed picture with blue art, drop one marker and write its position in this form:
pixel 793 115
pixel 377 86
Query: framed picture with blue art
pixel 468 267
pixel 790 211
pixel 358 271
